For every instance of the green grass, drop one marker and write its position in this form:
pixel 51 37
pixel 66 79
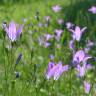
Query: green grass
pixel 35 58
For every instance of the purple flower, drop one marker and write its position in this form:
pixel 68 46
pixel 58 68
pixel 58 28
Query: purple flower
pixel 80 56
pixel 77 33
pixel 87 87
pixel 71 44
pixel 51 56
pixel 69 25
pixel 60 21
pixel 13 31
pixel 56 70
pixel 87 49
pixel 56 8
pixel 48 36
pixel 90 43
pixel 83 69
pixel 58 34
pixel 47 44
pixel 92 9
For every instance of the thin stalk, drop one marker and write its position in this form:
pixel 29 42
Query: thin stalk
pixel 5 69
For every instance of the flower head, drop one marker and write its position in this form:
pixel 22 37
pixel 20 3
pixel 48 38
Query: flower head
pixel 80 56
pixel 56 70
pixel 48 36
pixel 58 34
pixel 77 33
pixel 69 25
pixel 92 9
pixel 87 87
pixel 13 31
pixel 56 8
pixel 83 69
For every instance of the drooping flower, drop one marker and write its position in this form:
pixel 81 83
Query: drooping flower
pixel 92 9
pixel 13 31
pixel 56 8
pixel 17 74
pixel 77 33
pixel 56 70
pixel 19 58
pixel 87 87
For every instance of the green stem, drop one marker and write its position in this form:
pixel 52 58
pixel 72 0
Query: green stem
pixel 5 68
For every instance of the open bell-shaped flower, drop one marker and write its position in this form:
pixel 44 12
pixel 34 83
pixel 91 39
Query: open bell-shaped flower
pixel 77 33
pixel 56 70
pixel 13 31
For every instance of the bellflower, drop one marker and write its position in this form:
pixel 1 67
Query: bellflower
pixel 87 87
pixel 13 31
pixel 58 34
pixel 92 9
pixel 48 37
pixel 47 44
pixel 83 69
pixel 56 8
pixel 88 46
pixel 56 70
pixel 77 33
pixel 80 56
pixel 69 25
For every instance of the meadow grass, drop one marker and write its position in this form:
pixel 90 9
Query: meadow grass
pixel 33 65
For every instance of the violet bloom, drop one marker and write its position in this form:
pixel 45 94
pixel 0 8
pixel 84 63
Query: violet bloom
pixel 92 9
pixel 77 33
pixel 83 69
pixel 71 44
pixel 69 25
pixel 60 21
pixel 80 56
pixel 88 46
pixel 47 44
pixel 90 43
pixel 87 87
pixel 56 8
pixel 13 31
pixel 56 71
pixel 52 56
pixel 58 34
pixel 48 37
